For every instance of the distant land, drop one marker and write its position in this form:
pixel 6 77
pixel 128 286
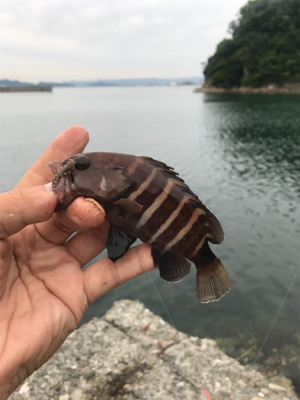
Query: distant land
pixel 111 82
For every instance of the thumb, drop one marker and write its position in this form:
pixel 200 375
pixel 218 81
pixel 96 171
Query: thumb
pixel 21 207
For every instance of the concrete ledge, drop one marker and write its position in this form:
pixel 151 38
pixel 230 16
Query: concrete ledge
pixel 133 354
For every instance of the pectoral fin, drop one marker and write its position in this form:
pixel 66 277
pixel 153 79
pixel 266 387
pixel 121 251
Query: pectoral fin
pixel 118 243
pixel 171 267
pixel 128 206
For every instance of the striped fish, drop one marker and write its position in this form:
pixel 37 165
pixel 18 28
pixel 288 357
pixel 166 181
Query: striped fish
pixel 144 198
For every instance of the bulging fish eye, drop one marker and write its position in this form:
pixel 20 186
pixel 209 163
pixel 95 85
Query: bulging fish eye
pixel 82 163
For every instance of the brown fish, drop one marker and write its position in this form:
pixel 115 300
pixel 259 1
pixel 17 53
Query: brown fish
pixel 144 198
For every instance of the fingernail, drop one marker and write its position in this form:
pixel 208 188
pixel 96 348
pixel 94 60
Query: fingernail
pixel 95 204
pixel 48 187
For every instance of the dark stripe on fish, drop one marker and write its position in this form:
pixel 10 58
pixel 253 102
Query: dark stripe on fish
pixel 179 222
pixel 191 236
pixel 164 215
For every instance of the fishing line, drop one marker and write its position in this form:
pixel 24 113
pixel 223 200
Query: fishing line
pixel 276 317
pixel 162 302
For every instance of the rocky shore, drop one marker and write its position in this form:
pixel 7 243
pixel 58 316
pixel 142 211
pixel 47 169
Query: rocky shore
pixel 133 354
pixel 286 88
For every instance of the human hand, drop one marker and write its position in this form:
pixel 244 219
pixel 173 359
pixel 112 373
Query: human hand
pixel 43 290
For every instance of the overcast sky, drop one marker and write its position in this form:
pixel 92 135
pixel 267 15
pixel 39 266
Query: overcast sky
pixel 57 40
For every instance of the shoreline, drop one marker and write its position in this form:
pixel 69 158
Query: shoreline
pixel 131 353
pixel 12 89
pixel 292 88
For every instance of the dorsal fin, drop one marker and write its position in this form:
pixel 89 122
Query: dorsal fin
pixel 214 226
pixel 169 172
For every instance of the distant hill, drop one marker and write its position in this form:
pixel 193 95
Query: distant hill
pixel 264 48
pixel 111 82
pixel 7 82
pixel 143 82
pixel 56 84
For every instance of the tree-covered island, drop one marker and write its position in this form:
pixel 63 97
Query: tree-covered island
pixel 263 51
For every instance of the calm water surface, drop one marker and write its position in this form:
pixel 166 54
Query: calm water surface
pixel 239 153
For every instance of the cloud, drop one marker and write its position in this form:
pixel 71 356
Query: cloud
pixel 71 39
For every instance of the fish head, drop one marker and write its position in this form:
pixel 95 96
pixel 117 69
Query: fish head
pixel 88 175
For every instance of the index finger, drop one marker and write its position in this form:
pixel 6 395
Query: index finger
pixel 72 141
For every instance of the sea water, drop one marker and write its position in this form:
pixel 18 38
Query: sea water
pixel 238 153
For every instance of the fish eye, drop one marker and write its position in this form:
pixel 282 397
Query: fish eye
pixel 82 163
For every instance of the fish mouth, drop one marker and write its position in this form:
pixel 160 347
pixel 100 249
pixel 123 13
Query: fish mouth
pixel 62 181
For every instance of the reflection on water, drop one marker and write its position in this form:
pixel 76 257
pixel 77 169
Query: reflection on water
pixel 260 135
pixel 259 149
pixel 239 153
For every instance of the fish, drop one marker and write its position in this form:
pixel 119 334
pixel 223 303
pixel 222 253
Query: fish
pixel 146 199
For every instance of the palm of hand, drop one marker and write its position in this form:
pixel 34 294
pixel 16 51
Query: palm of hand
pixel 47 285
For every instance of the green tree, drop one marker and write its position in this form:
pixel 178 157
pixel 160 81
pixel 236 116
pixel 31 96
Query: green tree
pixel 264 47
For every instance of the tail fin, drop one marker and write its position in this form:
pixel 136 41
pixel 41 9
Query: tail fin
pixel 212 279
